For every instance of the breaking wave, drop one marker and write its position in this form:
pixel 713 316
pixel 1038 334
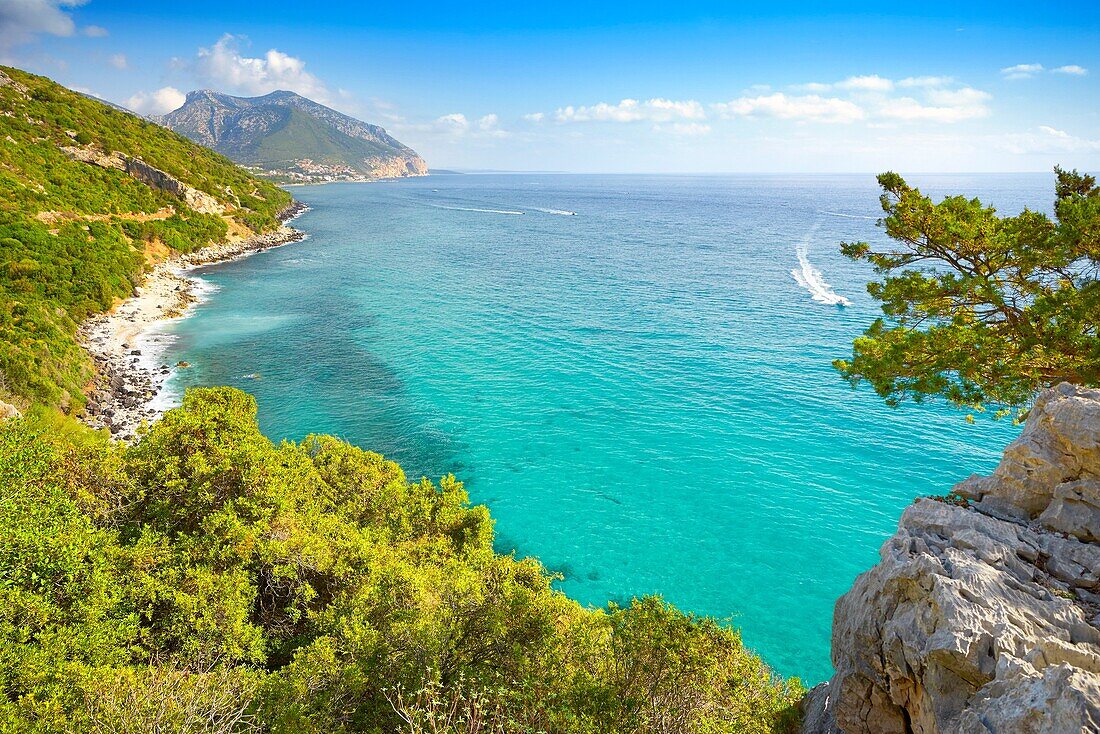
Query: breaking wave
pixel 809 277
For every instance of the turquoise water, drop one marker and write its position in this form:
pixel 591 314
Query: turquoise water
pixel 642 392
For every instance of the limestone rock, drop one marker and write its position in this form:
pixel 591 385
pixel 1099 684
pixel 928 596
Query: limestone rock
pixel 153 177
pixel 8 411
pixel 983 618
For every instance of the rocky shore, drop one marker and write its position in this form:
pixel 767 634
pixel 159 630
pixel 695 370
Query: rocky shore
pixel 125 346
pixel 983 614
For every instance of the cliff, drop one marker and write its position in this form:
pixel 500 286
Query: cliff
pixel 288 135
pixel 983 614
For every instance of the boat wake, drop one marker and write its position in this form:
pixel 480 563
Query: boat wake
pixel 560 212
pixel 475 209
pixel 846 216
pixel 809 277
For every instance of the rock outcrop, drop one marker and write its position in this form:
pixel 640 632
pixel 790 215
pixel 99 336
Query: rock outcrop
pixel 199 201
pixel 8 411
pixel 983 615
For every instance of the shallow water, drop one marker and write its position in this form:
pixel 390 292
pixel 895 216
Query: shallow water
pixel 642 392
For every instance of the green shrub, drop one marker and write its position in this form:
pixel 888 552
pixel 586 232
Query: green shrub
pixel 311 587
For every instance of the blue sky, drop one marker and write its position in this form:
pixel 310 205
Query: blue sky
pixel 633 87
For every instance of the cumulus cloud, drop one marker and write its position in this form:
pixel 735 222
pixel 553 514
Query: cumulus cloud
pixel 810 107
pixel 869 83
pixel 534 117
pixel 490 125
pixel 224 66
pixel 1071 69
pixel 1046 139
pixel 925 81
pixel 1021 71
pixel 22 20
pixel 632 110
pixel 455 123
pixel 160 102
pixel 941 106
pixel 119 61
pixel 685 129
pixel 864 83
pixel 95 31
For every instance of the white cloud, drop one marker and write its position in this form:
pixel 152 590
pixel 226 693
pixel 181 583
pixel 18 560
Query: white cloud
pixel 925 81
pixel 815 87
pixel 684 129
pixel 869 83
pixel 224 66
pixel 1048 140
pixel 119 61
pixel 22 20
pixel 455 123
pixel 490 125
pixel 1021 71
pixel 1071 69
pixel 943 106
pixel 631 110
pixel 534 117
pixel 809 107
pixel 160 102
pixel 95 31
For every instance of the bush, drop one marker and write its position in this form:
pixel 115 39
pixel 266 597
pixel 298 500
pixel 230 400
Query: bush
pixel 206 573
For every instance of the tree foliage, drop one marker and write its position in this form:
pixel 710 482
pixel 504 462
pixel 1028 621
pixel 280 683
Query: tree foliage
pixel 981 309
pixel 206 579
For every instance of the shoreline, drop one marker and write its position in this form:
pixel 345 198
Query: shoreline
pixel 124 344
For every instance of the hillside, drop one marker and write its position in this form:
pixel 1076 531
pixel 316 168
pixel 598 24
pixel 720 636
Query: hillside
pixel 285 134
pixel 92 195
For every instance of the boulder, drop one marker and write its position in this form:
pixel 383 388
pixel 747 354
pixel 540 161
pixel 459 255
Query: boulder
pixel 983 616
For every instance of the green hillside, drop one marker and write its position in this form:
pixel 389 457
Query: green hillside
pixel 301 135
pixel 72 234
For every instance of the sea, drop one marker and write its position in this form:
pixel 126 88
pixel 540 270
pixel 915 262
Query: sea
pixel 634 373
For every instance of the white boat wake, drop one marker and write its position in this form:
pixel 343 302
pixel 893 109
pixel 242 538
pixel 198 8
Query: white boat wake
pixel 846 216
pixel 474 209
pixel 561 212
pixel 809 277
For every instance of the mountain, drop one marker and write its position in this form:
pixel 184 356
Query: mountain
pixel 285 134
pixel 91 195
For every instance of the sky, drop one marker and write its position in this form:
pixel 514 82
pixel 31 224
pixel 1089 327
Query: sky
pixel 633 87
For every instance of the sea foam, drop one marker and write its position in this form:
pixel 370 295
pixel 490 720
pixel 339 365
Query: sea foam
pixel 809 277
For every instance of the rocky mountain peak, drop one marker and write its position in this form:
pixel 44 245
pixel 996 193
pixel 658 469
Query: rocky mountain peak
pixel 287 134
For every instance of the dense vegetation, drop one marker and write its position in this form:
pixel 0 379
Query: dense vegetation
pixel 73 236
pixel 205 579
pixel 982 309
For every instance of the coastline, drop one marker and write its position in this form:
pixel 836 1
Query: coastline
pixel 124 343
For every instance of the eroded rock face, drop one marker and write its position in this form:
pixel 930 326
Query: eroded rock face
pixel 983 618
pixel 199 201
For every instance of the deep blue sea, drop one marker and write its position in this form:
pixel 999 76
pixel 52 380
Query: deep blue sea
pixel 641 392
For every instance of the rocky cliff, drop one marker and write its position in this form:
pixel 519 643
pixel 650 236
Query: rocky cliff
pixel 287 134
pixel 148 175
pixel 983 615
